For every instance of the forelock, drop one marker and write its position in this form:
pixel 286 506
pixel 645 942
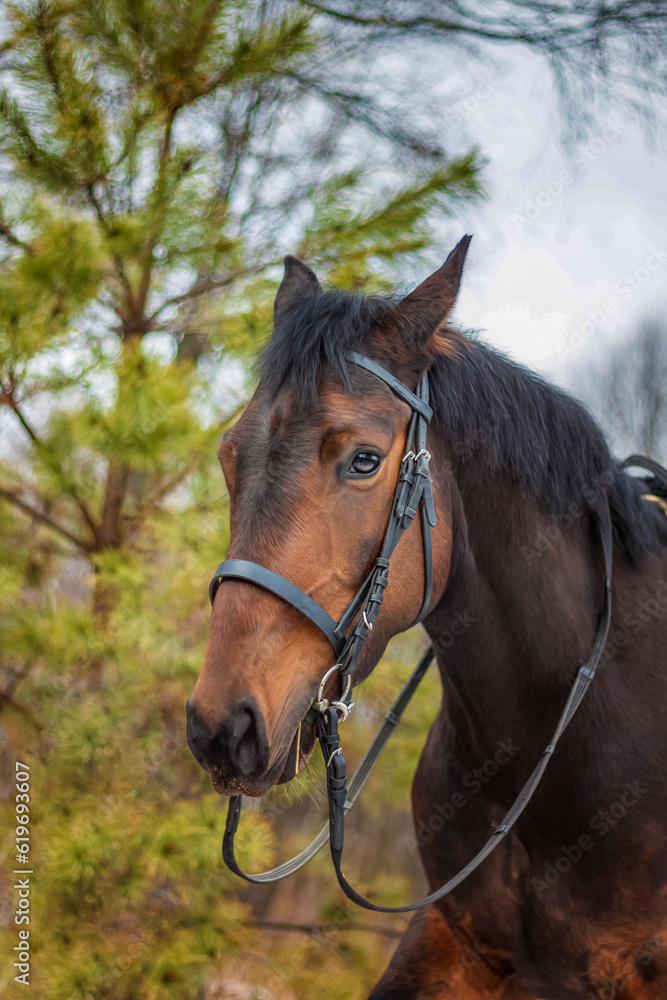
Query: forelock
pixel 312 336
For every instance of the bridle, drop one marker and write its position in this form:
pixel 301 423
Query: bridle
pixel 413 494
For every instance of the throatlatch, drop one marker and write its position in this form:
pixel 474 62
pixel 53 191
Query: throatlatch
pixel 413 494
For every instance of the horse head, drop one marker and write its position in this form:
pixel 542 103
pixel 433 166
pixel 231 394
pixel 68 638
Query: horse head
pixel 311 468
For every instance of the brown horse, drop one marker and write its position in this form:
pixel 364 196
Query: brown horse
pixel 573 903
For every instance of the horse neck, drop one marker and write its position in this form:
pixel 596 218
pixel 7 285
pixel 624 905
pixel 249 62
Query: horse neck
pixel 519 612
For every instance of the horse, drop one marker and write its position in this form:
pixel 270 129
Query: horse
pixel 573 902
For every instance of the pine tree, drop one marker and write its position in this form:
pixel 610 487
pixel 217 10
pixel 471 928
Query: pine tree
pixel 158 158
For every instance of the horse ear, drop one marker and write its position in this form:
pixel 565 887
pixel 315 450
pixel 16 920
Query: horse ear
pixel 299 282
pixel 421 314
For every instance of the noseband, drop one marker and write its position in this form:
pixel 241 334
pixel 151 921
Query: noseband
pixel 413 493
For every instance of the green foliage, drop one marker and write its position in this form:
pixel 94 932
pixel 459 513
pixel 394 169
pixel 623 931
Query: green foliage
pixel 153 178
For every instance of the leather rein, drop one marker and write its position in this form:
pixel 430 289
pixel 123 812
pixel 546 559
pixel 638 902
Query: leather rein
pixel 413 495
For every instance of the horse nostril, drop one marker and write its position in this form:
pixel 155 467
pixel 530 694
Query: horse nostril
pixel 198 735
pixel 245 748
pixel 238 745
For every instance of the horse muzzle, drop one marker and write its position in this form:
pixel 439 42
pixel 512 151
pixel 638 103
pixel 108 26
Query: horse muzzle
pixel 236 751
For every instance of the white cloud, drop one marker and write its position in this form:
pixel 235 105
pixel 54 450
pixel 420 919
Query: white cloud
pixel 535 276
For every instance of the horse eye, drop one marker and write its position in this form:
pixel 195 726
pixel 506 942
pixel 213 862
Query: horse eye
pixel 365 463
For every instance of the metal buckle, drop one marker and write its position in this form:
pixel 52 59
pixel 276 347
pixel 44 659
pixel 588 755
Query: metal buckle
pixel 321 703
pixel 425 453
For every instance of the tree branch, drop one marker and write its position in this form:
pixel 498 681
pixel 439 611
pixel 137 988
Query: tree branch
pixel 104 225
pixel 425 22
pixel 209 284
pixel 7 696
pixel 9 398
pixel 316 930
pixel 13 239
pixel 138 320
pixel 114 495
pixel 45 519
pixel 7 699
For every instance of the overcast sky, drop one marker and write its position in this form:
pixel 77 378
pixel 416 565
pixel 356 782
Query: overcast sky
pixel 570 248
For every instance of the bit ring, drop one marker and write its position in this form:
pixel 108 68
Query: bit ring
pixel 321 703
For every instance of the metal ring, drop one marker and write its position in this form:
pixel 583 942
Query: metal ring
pixel 321 703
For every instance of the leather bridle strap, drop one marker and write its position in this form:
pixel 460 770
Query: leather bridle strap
pixel 243 569
pixel 418 404
pixel 413 493
pixel 642 462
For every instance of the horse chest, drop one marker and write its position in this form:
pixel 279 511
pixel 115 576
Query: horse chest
pixel 550 914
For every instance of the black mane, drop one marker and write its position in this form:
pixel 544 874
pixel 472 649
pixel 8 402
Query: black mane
pixel 311 336
pixel 510 419
pixel 487 406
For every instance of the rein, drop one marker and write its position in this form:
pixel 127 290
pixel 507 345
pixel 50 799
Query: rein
pixel 413 494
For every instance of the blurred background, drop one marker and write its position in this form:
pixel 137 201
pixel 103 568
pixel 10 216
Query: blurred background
pixel 157 160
